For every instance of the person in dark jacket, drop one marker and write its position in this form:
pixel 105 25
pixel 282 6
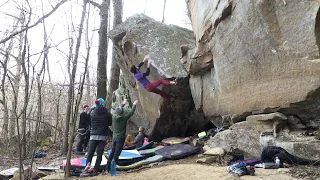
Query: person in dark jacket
pixel 83 128
pixel 269 153
pixel 151 86
pixel 101 119
pixel 139 139
pixel 119 131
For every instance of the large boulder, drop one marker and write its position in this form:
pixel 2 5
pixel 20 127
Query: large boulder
pixel 251 136
pixel 254 55
pixel 138 36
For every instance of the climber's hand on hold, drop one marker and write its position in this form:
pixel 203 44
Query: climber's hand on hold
pixel 149 63
pixel 146 58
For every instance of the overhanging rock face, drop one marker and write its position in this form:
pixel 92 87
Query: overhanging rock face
pixel 138 36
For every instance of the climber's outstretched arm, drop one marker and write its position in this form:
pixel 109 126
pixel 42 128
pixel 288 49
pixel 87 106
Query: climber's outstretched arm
pixel 145 59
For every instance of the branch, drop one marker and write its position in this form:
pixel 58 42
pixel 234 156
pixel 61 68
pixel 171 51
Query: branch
pixel 47 48
pixel 97 5
pixel 42 122
pixel 10 15
pixel 4 3
pixel 4 54
pixel 33 25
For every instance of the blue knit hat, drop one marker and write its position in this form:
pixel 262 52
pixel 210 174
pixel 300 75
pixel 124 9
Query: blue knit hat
pixel 99 102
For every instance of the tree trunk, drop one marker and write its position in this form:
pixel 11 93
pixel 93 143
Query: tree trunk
pixel 74 122
pixel 29 129
pixel 145 7
pixel 103 51
pixel 72 79
pixel 164 10
pixel 88 87
pixel 23 111
pixel 23 133
pixel 3 92
pixel 64 148
pixel 16 86
pixel 39 116
pixel 115 70
pixel 5 105
pixel 80 92
pixel 57 117
pixel 25 70
pixel 88 47
pixel 40 77
pixel 5 123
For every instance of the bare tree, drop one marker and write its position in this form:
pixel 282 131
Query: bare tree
pixel 74 121
pixel 26 98
pixel 57 116
pixel 145 7
pixel 164 10
pixel 72 80
pixel 25 64
pixel 88 47
pixel 35 24
pixel 64 148
pixel 103 49
pixel 39 111
pixel 6 56
pixel 17 79
pixel 40 78
pixel 80 93
pixel 88 86
pixel 3 101
pixel 115 70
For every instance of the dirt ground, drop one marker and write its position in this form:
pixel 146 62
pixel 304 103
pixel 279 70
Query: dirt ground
pixel 178 169
pixel 306 172
pixel 188 169
pixel 185 171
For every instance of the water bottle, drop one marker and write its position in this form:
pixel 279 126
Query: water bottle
pixel 269 165
pixel 113 168
pixel 277 161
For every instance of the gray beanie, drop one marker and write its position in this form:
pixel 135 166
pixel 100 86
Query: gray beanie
pixel 119 110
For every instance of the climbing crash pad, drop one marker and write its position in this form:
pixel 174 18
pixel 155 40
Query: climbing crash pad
pixel 105 153
pixel 148 152
pixel 129 147
pixel 175 140
pixel 76 162
pixel 153 159
pixel 80 163
pixel 146 146
pixel 128 157
pixel 128 154
pixel 177 151
pixel 8 173
pixel 249 162
pixel 48 168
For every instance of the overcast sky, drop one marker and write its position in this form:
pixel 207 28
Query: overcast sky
pixel 57 27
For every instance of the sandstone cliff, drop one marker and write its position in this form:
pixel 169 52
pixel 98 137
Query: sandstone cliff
pixel 256 57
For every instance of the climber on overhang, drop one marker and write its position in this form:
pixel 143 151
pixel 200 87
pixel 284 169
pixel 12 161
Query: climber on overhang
pixel 146 84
